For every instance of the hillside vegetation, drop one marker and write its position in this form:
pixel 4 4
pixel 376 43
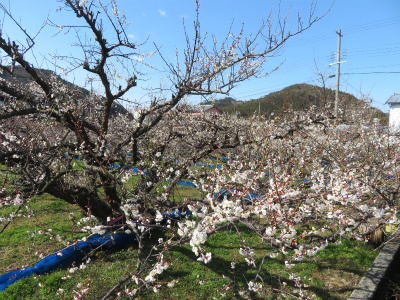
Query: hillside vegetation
pixel 299 97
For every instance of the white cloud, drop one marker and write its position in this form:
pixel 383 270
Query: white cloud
pixel 131 36
pixel 162 12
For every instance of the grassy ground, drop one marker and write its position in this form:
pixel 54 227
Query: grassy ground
pixel 334 272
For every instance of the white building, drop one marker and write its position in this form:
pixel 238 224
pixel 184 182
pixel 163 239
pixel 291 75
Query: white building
pixel 394 112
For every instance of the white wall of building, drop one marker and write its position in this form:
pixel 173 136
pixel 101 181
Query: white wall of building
pixel 394 116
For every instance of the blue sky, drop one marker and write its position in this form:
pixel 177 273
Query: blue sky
pixel 370 42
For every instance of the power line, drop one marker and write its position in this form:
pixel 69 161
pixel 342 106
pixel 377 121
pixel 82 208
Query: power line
pixel 369 50
pixel 349 30
pixel 346 52
pixel 271 90
pixel 373 25
pixel 372 52
pixel 392 47
pixel 266 91
pixel 366 73
pixel 373 67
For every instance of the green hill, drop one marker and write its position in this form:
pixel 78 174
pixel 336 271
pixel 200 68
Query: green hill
pixel 298 97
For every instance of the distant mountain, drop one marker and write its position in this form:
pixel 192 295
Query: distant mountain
pixel 21 77
pixel 298 97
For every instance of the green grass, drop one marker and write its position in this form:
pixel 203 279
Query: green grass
pixel 182 192
pixel 335 267
pixel 17 245
pixel 338 267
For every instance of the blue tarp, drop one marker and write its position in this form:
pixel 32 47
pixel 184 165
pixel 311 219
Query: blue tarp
pixel 221 158
pixel 64 257
pixel 187 183
pixel 135 170
pixel 74 253
pixel 130 154
pixel 181 182
pixel 206 165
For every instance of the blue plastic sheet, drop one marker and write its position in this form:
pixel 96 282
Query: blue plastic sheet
pixel 221 158
pixel 64 257
pixel 206 165
pixel 187 183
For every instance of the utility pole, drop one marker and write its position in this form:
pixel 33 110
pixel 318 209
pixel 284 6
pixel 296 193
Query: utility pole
pixel 337 63
pixel 339 32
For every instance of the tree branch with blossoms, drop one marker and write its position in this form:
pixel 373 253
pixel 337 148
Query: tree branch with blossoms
pixel 296 181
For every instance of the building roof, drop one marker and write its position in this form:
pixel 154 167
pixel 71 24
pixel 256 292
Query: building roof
pixel 395 98
pixel 197 109
pixel 201 108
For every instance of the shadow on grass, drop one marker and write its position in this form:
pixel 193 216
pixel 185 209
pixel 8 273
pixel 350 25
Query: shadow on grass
pixel 351 261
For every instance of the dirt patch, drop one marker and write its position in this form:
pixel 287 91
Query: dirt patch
pixel 339 282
